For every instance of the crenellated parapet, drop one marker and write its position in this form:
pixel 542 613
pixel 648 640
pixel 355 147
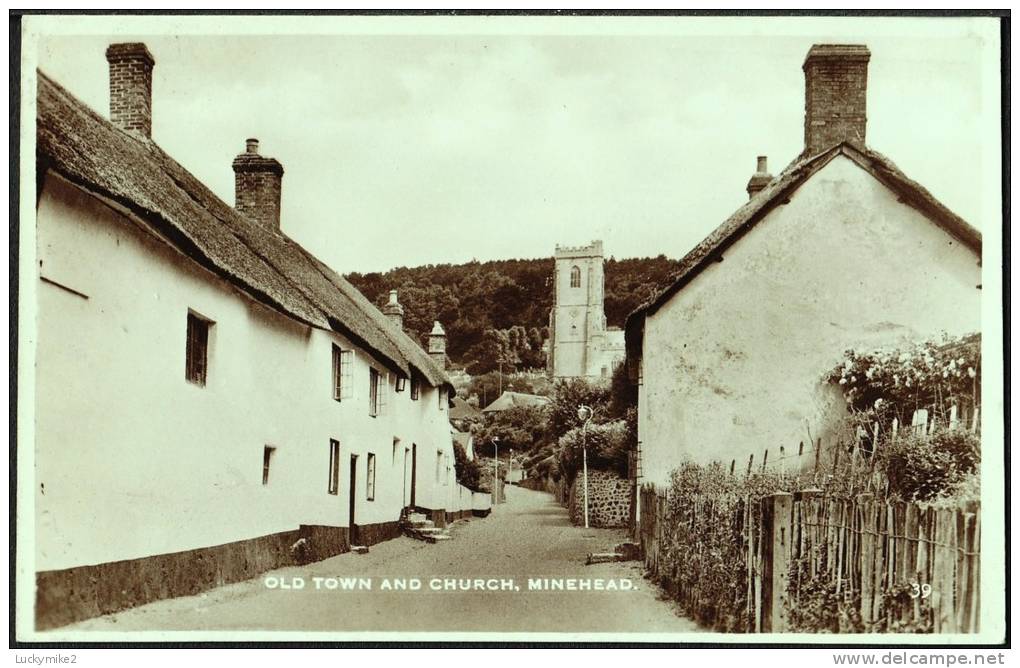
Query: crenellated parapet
pixel 594 249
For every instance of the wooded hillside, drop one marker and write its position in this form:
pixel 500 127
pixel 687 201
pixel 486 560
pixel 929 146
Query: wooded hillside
pixel 501 308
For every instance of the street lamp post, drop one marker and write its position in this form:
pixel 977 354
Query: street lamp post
pixel 495 473
pixel 584 414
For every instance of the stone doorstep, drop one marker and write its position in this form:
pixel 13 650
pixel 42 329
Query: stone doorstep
pixel 628 551
pixel 429 533
pixel 359 549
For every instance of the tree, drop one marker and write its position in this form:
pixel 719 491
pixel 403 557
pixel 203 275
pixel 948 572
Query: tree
pixel 612 428
pixel 567 396
pixel 520 428
pixel 468 473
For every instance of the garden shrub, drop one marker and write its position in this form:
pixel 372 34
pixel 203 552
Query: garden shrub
pixel 921 468
pixel 608 445
pixel 468 473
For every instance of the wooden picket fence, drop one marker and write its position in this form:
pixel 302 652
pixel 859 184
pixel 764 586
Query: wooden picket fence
pixel 812 456
pixel 899 566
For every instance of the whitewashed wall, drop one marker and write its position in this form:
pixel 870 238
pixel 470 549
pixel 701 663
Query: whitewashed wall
pixel 132 460
pixel 732 363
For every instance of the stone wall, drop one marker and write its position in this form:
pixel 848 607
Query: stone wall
pixel 609 500
pixel 546 484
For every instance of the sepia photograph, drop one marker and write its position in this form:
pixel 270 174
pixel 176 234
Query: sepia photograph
pixel 525 328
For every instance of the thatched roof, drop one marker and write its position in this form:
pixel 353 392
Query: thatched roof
pixel 134 173
pixel 778 191
pixel 461 409
pixel 512 399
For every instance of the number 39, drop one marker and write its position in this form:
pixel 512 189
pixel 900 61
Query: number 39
pixel 920 590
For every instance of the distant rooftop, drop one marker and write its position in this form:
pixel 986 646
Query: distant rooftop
pixel 511 399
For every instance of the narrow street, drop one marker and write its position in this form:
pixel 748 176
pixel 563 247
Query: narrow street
pixel 527 538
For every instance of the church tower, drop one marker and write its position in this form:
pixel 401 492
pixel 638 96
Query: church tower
pixel 577 323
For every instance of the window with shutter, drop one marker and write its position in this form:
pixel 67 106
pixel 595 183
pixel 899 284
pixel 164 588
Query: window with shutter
pixel 196 363
pixel 337 374
pixel 334 467
pixel 370 478
pixel 373 392
pixel 341 373
pixel 267 459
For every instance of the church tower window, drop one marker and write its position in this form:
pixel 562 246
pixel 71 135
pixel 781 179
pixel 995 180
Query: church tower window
pixel 575 277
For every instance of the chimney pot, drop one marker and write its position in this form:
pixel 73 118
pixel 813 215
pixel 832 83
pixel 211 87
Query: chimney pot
pixel 836 95
pixel 437 345
pixel 257 186
pixel 760 178
pixel 131 87
pixel 394 311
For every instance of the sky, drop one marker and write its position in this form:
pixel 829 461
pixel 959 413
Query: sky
pixel 468 140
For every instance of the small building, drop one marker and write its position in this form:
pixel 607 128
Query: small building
pixel 512 399
pixel 580 344
pixel 840 250
pixel 212 400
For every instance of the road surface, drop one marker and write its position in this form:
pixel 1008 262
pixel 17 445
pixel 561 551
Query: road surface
pixel 526 540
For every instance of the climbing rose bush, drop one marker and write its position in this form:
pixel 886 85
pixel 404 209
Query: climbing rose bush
pixel 894 382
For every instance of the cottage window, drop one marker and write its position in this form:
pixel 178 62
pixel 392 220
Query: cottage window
pixel 439 466
pixel 378 384
pixel 334 466
pixel 441 393
pixel 196 364
pixel 370 478
pixel 341 373
pixel 267 458
pixel 401 383
pixel 415 388
pixel 396 447
pixel 575 277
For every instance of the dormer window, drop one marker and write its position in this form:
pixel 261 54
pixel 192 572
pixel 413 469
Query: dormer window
pixel 575 277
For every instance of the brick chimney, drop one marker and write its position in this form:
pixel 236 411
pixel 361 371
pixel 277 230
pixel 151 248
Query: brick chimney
pixel 257 184
pixel 437 345
pixel 394 311
pixel 131 87
pixel 835 104
pixel 760 178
